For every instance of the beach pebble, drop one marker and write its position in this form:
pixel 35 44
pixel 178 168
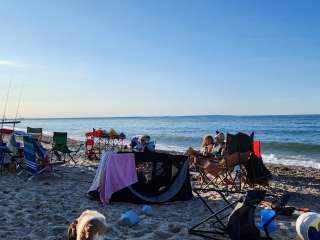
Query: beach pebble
pixel 162 234
pixel 58 218
pixel 40 233
pixel 174 228
pixel 58 230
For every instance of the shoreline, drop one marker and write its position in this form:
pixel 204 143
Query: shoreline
pixel 47 139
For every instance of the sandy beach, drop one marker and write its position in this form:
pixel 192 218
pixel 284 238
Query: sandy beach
pixel 123 87
pixel 43 207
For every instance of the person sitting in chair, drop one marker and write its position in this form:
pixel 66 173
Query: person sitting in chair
pixel 219 145
pixel 142 144
pixel 205 157
pixel 211 155
pixel 205 148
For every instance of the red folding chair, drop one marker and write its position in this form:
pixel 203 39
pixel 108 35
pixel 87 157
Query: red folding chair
pixel 92 145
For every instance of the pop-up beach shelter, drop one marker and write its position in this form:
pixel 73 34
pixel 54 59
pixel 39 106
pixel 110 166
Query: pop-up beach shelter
pixel 147 177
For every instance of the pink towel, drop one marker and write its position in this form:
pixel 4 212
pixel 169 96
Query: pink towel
pixel 120 173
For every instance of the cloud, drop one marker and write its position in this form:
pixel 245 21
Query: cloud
pixel 7 63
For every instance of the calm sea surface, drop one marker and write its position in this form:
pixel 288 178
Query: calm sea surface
pixel 285 139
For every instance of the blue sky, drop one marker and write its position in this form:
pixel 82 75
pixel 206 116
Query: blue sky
pixel 120 58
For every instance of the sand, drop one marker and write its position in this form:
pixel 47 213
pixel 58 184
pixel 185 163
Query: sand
pixel 43 207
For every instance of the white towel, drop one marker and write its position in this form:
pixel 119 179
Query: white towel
pixel 100 173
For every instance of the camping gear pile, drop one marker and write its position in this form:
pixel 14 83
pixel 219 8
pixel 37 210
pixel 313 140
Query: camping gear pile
pixel 27 154
pixel 99 140
pixel 11 152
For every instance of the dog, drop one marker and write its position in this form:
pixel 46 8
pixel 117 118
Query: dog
pixel 90 225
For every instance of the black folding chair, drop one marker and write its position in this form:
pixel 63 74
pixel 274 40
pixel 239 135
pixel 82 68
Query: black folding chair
pixel 236 218
pixel 238 144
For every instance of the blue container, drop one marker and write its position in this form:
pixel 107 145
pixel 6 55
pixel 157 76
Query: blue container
pixel 265 215
pixel 313 234
pixel 129 218
pixel 147 210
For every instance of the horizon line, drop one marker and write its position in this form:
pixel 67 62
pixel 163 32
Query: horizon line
pixel 162 116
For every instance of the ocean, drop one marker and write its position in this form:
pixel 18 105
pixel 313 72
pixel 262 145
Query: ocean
pixel 288 140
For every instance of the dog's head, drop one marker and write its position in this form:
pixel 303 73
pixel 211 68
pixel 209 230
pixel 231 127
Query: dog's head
pixel 90 225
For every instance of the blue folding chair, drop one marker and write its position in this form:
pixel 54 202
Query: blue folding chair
pixel 36 160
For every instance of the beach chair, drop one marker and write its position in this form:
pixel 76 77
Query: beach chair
pixel 240 145
pixel 242 166
pixel 208 180
pixel 8 155
pixel 3 151
pixel 237 153
pixel 232 175
pixel 60 148
pixel 36 133
pixel 36 159
pixel 95 141
pixel 90 149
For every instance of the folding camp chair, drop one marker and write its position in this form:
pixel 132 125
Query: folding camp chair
pixel 36 133
pixel 90 149
pixel 238 150
pixel 36 159
pixel 60 148
pixel 236 218
pixel 6 156
pixel 242 166
pixel 231 173
pixel 3 151
pixel 207 179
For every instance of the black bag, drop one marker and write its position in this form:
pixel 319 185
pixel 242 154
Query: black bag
pixel 257 173
pixel 241 224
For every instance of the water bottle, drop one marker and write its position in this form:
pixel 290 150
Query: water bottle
pixel 265 215
pixel 147 210
pixel 129 218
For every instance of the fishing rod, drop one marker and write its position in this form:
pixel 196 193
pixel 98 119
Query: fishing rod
pixel 6 105
pixel 18 108
pixel 5 110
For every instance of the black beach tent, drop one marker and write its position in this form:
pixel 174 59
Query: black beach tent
pixel 162 178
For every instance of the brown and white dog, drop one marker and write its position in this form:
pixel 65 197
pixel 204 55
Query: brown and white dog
pixel 90 225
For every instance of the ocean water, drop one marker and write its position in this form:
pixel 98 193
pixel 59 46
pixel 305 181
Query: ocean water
pixel 291 140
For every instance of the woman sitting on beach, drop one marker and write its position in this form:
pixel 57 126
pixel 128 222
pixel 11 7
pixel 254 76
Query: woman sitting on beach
pixel 212 155
pixel 205 148
pixel 205 158
pixel 218 158
pixel 219 145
